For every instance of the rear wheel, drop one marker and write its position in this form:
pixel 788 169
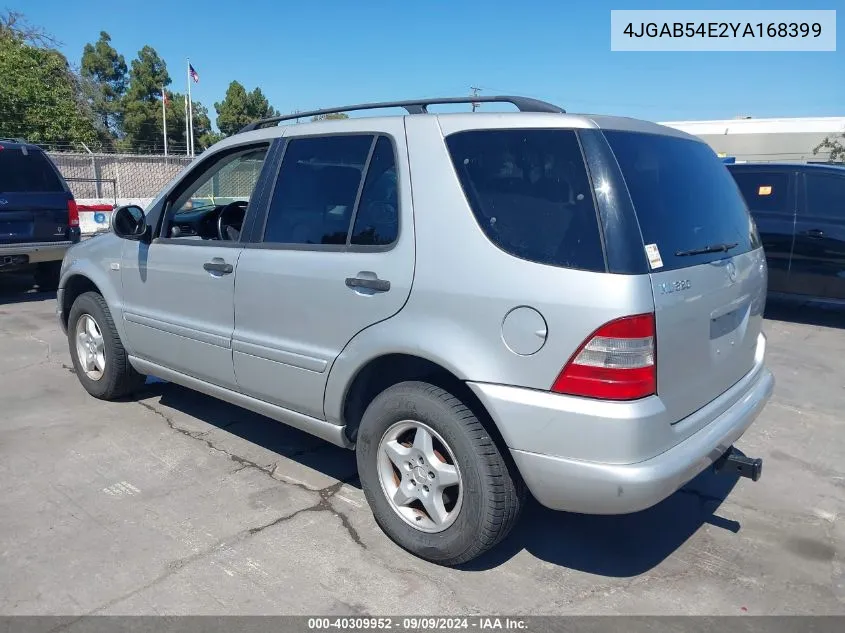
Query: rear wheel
pixel 434 478
pixel 97 353
pixel 47 275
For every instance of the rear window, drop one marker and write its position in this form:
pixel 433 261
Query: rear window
pixel 684 197
pixel 530 193
pixel 32 171
pixel 765 191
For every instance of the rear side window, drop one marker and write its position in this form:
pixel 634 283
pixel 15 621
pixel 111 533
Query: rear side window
pixel 765 191
pixel 377 219
pixel 826 196
pixel 316 189
pixel 530 193
pixel 684 197
pixel 30 172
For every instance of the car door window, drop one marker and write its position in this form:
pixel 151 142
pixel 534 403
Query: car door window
pixel 765 191
pixel 826 196
pixel 377 216
pixel 194 212
pixel 322 190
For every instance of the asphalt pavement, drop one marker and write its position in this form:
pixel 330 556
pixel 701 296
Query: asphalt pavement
pixel 175 503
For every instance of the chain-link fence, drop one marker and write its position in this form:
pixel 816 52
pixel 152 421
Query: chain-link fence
pixel 117 176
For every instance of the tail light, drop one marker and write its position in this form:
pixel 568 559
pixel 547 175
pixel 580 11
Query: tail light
pixel 72 213
pixel 616 362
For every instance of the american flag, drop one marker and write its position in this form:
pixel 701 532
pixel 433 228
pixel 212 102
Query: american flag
pixel 193 74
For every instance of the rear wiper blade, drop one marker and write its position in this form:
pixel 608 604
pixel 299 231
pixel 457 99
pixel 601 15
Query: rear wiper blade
pixel 712 248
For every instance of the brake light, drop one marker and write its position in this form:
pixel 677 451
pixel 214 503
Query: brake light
pixel 72 213
pixel 616 362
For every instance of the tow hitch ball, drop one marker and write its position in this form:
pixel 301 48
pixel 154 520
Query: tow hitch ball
pixel 734 462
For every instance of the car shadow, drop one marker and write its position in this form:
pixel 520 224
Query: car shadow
pixel 619 546
pixel 807 313
pixel 614 546
pixel 21 288
pixel 274 436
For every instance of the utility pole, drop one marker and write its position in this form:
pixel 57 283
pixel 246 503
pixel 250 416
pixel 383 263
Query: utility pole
pixel 475 91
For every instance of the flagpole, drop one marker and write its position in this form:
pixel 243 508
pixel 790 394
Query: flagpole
pixel 187 144
pixel 190 112
pixel 164 118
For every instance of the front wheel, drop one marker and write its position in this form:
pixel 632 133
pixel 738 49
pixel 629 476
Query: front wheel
pixel 98 356
pixel 434 477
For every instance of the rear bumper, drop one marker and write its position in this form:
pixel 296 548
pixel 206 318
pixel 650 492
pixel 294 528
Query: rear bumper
pixel 37 252
pixel 593 487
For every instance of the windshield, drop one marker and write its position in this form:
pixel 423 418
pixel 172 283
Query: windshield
pixel 689 207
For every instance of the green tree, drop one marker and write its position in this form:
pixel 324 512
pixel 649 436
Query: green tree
pixel 141 110
pixel 41 98
pixel 330 117
pixel 145 120
pixel 240 107
pixel 104 72
pixel 148 76
pixel 835 145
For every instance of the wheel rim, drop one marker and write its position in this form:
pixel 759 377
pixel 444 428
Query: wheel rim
pixel 90 347
pixel 420 476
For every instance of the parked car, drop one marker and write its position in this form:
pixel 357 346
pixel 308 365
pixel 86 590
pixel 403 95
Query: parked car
pixel 800 214
pixel 476 303
pixel 38 215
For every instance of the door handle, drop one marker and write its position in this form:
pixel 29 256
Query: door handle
pixel 815 233
pixel 379 285
pixel 217 265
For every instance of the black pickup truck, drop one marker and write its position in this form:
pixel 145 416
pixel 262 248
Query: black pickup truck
pixel 39 218
pixel 800 214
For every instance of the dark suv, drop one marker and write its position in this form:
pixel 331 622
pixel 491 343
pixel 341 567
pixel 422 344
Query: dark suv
pixel 39 219
pixel 800 214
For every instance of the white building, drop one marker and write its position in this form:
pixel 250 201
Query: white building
pixel 765 140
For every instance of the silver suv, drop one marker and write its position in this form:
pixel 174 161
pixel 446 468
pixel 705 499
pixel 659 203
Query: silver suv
pixel 480 304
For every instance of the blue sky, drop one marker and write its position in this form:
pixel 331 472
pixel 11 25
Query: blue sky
pixel 319 54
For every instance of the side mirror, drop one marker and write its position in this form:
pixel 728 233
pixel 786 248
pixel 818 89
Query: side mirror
pixel 129 222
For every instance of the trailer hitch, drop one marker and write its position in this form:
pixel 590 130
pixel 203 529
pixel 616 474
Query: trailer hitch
pixel 735 462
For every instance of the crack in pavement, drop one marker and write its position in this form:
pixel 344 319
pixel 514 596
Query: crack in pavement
pixel 326 494
pixel 177 565
pixel 323 505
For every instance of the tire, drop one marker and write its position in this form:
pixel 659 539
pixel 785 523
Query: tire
pixel 47 275
pixel 117 378
pixel 484 506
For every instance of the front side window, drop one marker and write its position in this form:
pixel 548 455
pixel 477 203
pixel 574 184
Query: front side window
pixel 530 193
pixel 211 203
pixel 826 196
pixel 233 178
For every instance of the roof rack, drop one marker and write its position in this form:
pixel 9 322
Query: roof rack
pixel 13 140
pixel 414 106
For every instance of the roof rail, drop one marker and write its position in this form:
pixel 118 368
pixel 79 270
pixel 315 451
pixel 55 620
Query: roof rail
pixel 14 140
pixel 414 106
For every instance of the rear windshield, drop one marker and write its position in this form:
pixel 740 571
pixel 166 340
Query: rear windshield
pixel 30 172
pixel 530 193
pixel 685 199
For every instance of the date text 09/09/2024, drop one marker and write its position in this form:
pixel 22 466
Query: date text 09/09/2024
pixel 723 29
pixel 358 623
